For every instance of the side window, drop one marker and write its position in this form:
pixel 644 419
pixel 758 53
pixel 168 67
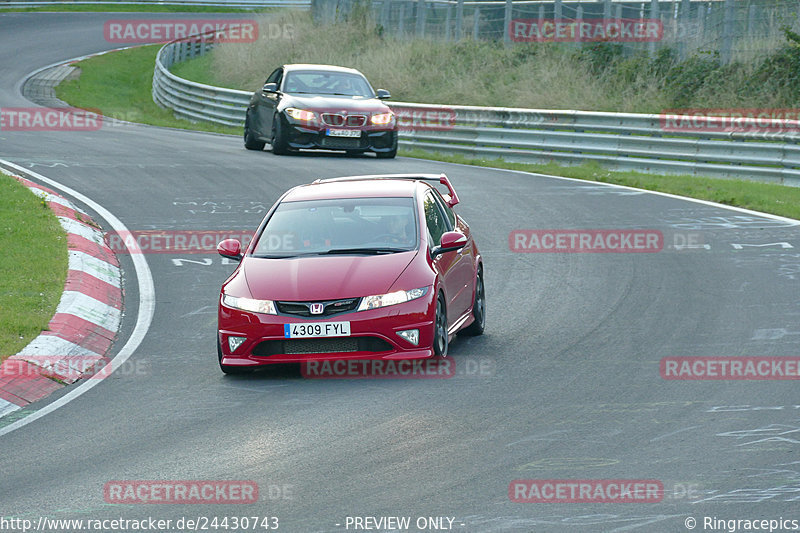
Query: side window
pixel 275 77
pixel 434 219
pixel 448 211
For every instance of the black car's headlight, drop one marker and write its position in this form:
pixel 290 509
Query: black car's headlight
pixel 301 114
pixel 382 118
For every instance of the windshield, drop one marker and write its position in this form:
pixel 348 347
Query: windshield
pixel 350 225
pixel 322 82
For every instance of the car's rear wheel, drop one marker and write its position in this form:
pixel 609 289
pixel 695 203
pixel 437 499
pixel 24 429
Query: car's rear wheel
pixel 250 141
pixel 280 146
pixel 478 308
pixel 228 369
pixel 440 340
pixel 390 154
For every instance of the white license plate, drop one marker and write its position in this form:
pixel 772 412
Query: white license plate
pixel 300 330
pixel 343 133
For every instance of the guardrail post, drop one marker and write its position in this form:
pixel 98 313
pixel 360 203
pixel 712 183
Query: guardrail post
pixel 448 19
pixel 476 22
pixel 386 7
pixel 401 23
pixel 751 20
pixel 507 22
pixel 459 20
pixel 727 32
pixel 420 18
pixel 653 15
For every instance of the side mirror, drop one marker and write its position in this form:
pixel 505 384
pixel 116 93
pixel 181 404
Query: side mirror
pixel 451 240
pixel 269 88
pixel 382 94
pixel 230 248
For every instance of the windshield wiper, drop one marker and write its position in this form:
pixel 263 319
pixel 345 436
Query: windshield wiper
pixel 373 251
pixel 276 256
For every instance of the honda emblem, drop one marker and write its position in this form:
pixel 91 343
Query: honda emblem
pixel 316 309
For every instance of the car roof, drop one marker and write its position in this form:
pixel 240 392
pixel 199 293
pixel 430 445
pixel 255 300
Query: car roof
pixel 326 68
pixel 370 186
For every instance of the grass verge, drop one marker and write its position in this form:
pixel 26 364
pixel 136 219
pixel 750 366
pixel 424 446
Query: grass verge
pixel 120 83
pixel 33 265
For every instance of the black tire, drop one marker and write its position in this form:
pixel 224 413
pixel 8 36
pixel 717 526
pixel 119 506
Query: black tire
pixel 441 342
pixel 250 141
pixel 228 369
pixel 388 155
pixel 478 308
pixel 280 146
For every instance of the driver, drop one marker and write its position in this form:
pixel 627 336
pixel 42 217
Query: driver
pixel 398 229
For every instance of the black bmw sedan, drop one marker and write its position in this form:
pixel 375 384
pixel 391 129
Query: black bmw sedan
pixel 320 107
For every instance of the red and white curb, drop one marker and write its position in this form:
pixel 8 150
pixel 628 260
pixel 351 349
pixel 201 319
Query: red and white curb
pixel 86 320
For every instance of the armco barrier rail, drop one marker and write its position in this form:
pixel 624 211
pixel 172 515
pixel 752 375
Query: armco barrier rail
pixel 623 141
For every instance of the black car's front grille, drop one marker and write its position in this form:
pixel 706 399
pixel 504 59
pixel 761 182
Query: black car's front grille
pixel 329 307
pixel 326 345
pixel 340 142
pixel 356 120
pixel 336 119
pixel 333 119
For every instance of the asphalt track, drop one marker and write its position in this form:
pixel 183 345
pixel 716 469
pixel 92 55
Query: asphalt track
pixel 564 385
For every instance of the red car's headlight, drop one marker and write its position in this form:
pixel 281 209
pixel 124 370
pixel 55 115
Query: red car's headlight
pixel 382 118
pixel 392 298
pixel 301 114
pixel 266 307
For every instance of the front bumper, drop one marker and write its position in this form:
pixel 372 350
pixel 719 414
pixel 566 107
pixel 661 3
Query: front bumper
pixel 300 136
pixel 373 335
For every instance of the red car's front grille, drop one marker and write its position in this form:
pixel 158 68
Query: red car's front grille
pixel 327 345
pixel 330 307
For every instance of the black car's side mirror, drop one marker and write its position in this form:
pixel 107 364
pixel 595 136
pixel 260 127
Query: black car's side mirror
pixel 382 94
pixel 269 88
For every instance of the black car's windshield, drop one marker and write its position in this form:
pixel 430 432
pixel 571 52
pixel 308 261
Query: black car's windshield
pixel 327 83
pixel 369 226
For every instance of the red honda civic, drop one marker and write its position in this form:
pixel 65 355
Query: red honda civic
pixel 360 267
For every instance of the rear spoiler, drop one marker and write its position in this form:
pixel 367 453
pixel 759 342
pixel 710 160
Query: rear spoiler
pixel 451 197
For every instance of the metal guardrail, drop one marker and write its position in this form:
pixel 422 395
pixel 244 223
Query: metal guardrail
pixel 623 141
pixel 238 4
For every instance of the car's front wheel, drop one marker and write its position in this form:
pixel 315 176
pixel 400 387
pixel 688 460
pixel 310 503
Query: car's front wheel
pixel 250 140
pixel 478 308
pixel 441 342
pixel 280 144
pixel 390 154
